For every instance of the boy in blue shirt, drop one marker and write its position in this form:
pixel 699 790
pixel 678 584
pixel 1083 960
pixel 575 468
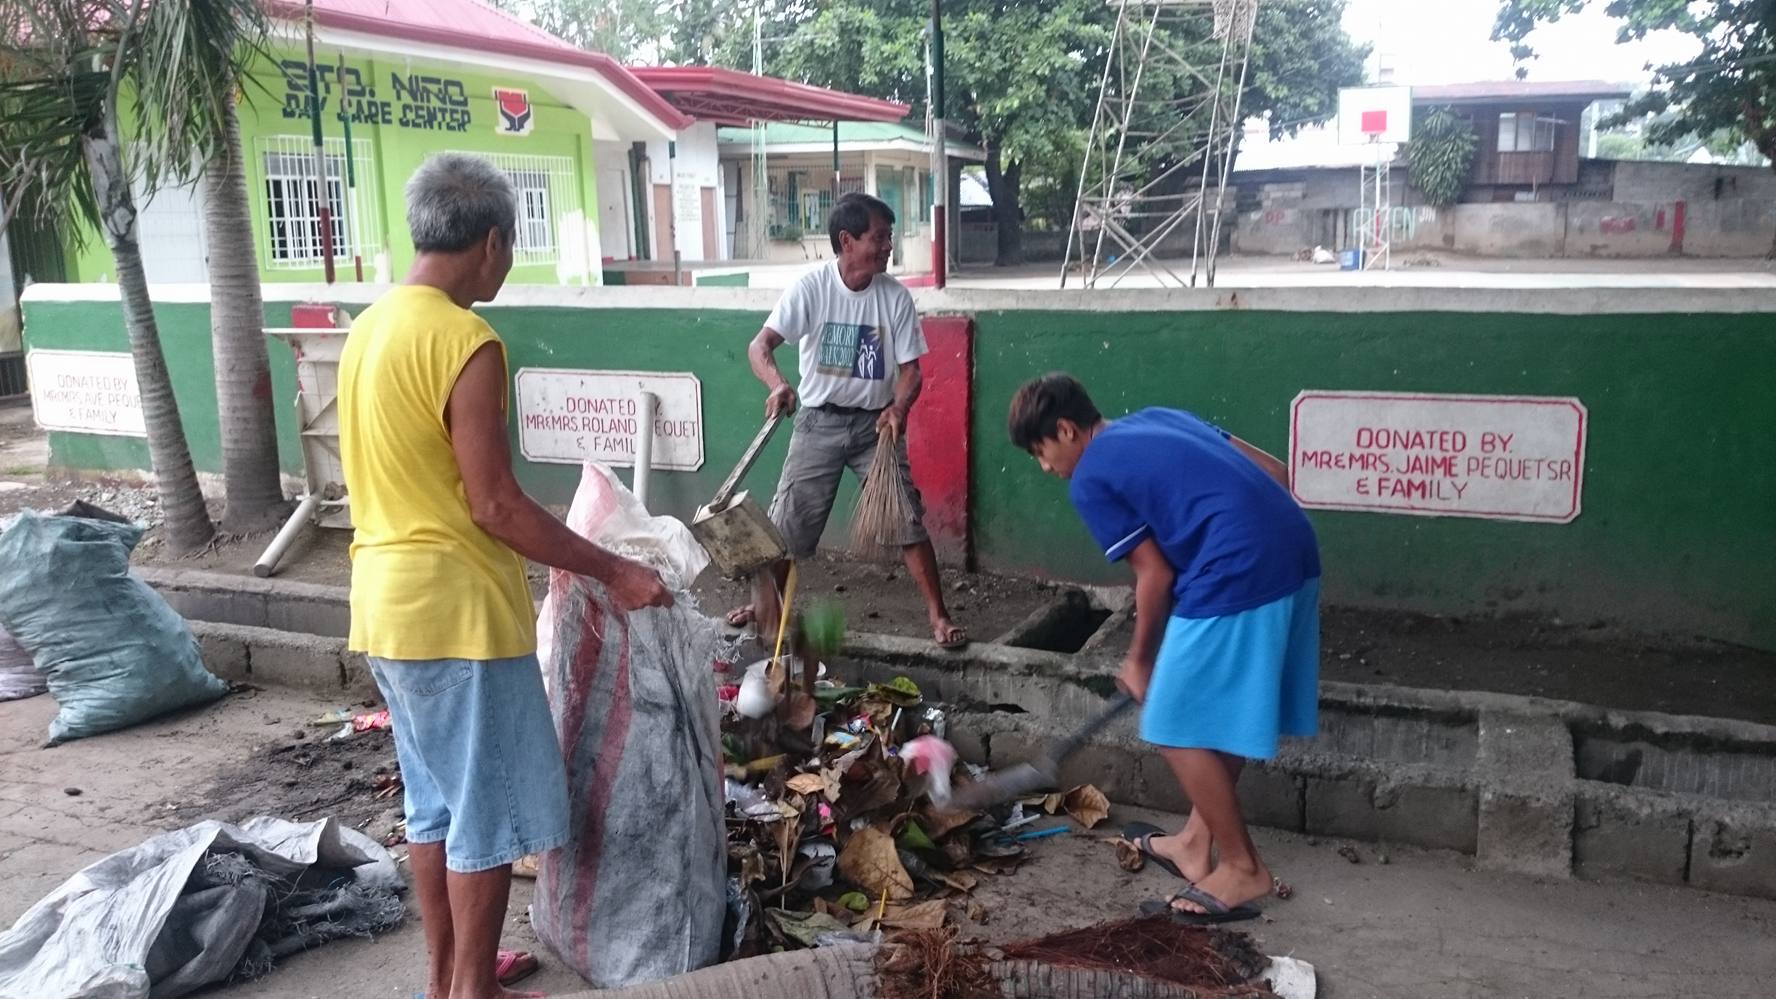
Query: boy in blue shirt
pixel 1225 657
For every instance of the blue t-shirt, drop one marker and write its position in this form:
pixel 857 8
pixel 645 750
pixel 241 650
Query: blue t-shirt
pixel 1234 536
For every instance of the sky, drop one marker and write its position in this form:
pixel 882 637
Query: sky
pixel 1448 41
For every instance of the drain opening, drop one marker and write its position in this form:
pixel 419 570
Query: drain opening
pixel 1063 626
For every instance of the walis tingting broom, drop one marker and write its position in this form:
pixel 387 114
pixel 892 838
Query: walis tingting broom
pixel 879 524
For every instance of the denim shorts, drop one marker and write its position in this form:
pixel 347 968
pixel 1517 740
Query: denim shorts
pixel 478 755
pixel 825 443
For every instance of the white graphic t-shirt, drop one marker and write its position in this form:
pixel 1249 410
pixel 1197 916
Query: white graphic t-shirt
pixel 852 343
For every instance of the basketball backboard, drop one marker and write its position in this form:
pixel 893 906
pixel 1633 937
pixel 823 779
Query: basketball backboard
pixel 1374 114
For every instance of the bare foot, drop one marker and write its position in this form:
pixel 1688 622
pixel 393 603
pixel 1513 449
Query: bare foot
pixel 1233 885
pixel 947 635
pixel 1192 858
pixel 740 616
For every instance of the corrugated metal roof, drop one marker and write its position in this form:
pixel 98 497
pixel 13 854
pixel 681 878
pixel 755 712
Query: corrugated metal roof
pixel 1507 90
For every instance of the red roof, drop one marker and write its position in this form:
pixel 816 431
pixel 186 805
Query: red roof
pixel 1511 90
pixel 472 25
pixel 730 97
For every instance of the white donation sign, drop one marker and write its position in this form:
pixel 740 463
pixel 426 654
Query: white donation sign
pixel 568 416
pixel 85 392
pixel 1488 456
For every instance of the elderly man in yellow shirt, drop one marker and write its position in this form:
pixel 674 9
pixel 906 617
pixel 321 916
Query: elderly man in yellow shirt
pixel 440 603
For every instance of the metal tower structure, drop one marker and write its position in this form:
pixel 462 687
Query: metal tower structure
pixel 1156 163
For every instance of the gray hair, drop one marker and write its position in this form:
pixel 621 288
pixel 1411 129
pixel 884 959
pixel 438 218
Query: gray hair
pixel 453 199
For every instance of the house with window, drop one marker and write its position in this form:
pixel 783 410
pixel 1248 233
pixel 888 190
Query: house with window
pixel 398 81
pixel 787 175
pixel 1530 133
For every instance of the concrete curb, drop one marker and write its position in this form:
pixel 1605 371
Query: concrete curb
pixel 243 654
pixel 1526 785
pixel 1522 784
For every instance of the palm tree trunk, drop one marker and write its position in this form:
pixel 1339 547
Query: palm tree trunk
pixel 237 338
pixel 188 524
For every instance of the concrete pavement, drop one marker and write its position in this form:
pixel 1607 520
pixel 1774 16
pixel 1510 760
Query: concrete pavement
pixel 1425 924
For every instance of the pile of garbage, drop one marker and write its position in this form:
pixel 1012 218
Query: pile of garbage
pixel 837 830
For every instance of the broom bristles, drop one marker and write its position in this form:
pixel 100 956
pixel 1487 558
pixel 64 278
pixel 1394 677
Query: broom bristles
pixel 879 522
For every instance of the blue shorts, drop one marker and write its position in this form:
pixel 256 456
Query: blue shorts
pixel 478 755
pixel 1239 682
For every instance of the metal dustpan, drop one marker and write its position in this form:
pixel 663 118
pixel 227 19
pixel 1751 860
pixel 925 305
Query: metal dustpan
pixel 733 528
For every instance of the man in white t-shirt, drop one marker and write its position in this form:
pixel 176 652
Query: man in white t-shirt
pixel 860 344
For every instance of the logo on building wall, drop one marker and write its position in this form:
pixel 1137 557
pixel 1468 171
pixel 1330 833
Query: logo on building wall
pixel 515 112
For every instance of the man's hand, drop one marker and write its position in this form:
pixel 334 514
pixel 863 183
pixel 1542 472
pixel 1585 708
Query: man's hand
pixel 637 587
pixel 891 424
pixel 781 402
pixel 1133 678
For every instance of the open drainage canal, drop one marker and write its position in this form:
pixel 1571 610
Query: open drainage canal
pixel 1636 756
pixel 1063 626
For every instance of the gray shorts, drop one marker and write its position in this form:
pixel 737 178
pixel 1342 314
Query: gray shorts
pixel 824 443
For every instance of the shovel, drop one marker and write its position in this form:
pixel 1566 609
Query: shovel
pixel 740 539
pixel 1039 774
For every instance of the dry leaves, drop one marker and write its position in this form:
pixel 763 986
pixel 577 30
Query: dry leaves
pixel 1087 805
pixel 825 784
pixel 1128 856
pixel 871 862
pixel 921 916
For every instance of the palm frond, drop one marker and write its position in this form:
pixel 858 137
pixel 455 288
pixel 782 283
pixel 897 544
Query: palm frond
pixel 191 59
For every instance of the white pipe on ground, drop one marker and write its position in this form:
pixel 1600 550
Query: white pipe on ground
pixel 644 446
pixel 286 536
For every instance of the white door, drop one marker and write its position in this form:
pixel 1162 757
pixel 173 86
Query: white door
pixel 614 215
pixel 169 227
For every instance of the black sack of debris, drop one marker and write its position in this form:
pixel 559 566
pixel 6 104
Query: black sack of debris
pixel 114 654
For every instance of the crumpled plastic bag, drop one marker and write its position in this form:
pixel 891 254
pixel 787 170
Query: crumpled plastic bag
pixel 109 932
pixel 607 513
pixel 18 671
pixel 113 652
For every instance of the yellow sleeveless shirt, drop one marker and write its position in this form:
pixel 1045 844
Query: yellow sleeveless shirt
pixel 427 582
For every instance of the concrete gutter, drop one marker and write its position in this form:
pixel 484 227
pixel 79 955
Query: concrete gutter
pixel 1527 785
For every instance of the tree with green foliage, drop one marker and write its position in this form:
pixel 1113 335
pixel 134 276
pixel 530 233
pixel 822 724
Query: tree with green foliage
pixel 621 29
pixel 67 67
pixel 1022 77
pixel 1440 155
pixel 1731 84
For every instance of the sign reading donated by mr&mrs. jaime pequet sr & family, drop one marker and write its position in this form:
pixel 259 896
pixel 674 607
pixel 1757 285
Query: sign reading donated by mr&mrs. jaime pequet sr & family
pixel 1489 456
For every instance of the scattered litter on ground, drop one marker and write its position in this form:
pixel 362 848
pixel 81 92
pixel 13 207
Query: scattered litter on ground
pixel 1350 853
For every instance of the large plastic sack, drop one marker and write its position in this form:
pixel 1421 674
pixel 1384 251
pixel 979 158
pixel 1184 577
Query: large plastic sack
pixel 639 892
pixel 608 513
pixel 112 651
pixel 162 917
pixel 18 671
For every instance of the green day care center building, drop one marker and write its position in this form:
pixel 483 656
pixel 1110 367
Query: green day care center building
pixel 408 79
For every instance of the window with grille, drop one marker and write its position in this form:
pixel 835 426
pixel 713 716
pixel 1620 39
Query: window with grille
pixel 294 187
pixel 548 194
pixel 1525 132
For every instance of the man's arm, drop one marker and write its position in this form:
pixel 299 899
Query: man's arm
pixel 476 418
pixel 1153 608
pixel 907 386
pixel 1272 466
pixel 781 400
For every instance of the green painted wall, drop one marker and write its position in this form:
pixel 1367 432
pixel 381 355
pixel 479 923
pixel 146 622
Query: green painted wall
pixel 709 343
pixel 1679 524
pixel 395 151
pixel 1679 521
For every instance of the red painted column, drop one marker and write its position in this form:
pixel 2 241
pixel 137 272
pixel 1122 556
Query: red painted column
pixel 1677 228
pixel 938 434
